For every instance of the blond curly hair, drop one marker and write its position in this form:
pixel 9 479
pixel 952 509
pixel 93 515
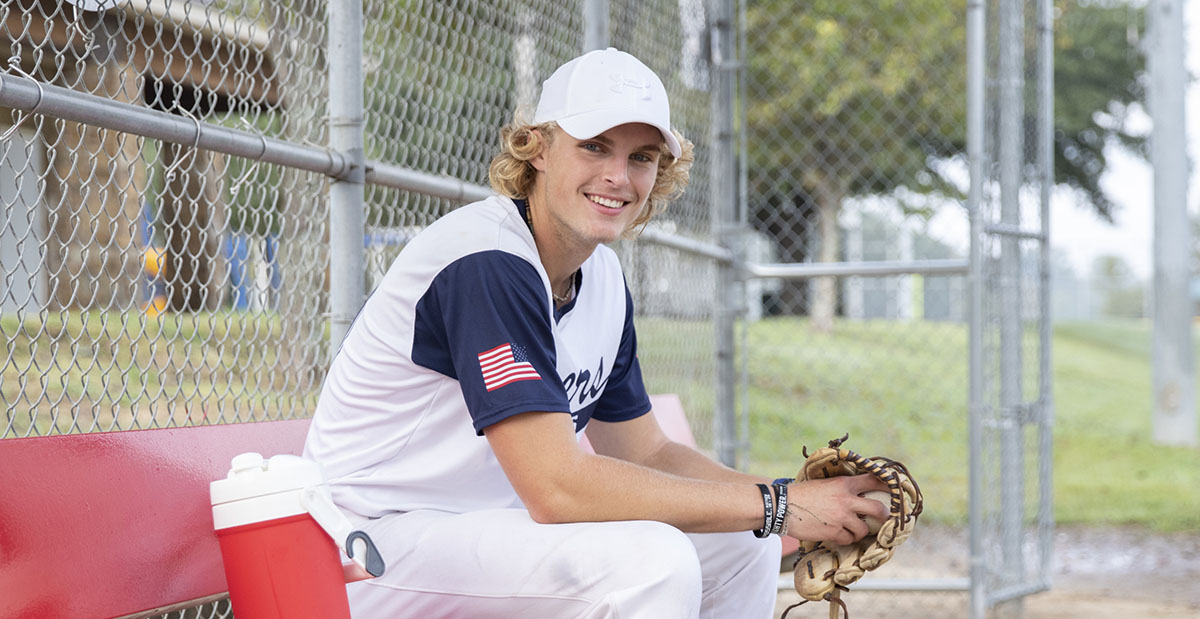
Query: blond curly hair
pixel 511 174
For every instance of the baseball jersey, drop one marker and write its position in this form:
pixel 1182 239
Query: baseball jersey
pixel 460 334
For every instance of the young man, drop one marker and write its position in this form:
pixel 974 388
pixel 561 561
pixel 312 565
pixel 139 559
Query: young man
pixel 448 424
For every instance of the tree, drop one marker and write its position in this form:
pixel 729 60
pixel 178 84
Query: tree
pixel 1099 75
pixel 851 99
pixel 1122 295
pixel 846 99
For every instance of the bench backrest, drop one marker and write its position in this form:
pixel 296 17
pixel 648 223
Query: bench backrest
pixel 116 523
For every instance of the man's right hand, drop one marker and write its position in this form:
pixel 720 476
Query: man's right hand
pixel 833 509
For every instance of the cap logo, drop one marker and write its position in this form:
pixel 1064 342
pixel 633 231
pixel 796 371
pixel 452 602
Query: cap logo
pixel 620 84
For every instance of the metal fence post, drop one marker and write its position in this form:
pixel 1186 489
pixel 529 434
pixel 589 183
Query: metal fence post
pixel 743 239
pixel 1174 377
pixel 1010 145
pixel 723 206
pixel 346 222
pixel 1045 332
pixel 595 24
pixel 976 141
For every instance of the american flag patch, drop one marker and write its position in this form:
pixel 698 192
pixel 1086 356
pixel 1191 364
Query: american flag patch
pixel 505 364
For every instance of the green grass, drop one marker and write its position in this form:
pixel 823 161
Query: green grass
pixel 898 389
pixel 1107 470
pixel 86 371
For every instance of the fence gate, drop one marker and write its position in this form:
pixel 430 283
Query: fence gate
pixel 1010 139
pixel 896 179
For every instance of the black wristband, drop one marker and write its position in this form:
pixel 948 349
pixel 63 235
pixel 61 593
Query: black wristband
pixel 768 512
pixel 781 506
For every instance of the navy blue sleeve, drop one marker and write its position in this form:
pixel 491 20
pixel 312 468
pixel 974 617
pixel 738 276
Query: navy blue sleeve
pixel 625 395
pixel 485 321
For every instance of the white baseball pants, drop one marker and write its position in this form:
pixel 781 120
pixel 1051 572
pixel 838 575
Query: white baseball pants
pixel 501 564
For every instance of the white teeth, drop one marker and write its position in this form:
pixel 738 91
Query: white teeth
pixel 607 202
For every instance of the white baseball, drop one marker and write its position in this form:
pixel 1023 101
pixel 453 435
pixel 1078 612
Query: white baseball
pixel 873 523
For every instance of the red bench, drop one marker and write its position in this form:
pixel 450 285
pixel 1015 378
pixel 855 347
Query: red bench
pixel 119 524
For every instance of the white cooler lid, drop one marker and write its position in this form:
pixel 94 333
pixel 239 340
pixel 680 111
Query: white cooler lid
pixel 251 475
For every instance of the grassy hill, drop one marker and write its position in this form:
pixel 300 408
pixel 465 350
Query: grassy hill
pixel 900 389
pixel 1107 469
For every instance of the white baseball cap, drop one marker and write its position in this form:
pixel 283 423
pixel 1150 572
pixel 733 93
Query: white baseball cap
pixel 602 89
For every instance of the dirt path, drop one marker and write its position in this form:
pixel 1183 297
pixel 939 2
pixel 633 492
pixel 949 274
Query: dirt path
pixel 1105 573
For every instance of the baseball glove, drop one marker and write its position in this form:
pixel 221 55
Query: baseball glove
pixel 823 570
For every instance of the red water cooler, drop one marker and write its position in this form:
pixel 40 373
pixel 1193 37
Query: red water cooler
pixel 280 536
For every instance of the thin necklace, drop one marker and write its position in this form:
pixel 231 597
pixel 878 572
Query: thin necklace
pixel 570 291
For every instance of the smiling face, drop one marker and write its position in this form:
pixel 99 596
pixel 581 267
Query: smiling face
pixel 588 192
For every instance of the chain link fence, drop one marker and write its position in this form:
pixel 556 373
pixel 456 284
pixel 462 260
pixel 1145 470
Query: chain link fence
pixel 166 234
pixel 856 180
pixel 151 283
pixel 858 198
pixel 166 239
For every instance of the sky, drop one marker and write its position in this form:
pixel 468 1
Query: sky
pixel 1076 231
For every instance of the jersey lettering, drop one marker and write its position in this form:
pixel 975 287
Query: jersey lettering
pixel 582 387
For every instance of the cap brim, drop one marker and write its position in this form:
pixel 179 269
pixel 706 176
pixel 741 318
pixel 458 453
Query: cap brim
pixel 593 123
